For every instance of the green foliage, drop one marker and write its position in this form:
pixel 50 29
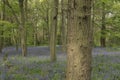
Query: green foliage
pixel 20 77
pixel 56 77
pixel 38 17
pixel 112 22
pixel 6 27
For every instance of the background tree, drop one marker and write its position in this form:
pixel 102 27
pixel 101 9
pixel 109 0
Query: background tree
pixel 103 27
pixel 23 28
pixel 63 24
pixel 1 31
pixel 53 29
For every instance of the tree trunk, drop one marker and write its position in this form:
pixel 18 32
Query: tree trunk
pixel 93 18
pixel 63 26
pixel 47 22
pixel 53 29
pixel 35 35
pixel 1 32
pixel 23 28
pixel 26 8
pixel 103 28
pixel 79 40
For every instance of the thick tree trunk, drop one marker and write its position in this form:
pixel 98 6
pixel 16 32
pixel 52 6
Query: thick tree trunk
pixel 103 28
pixel 79 45
pixel 53 29
pixel 23 29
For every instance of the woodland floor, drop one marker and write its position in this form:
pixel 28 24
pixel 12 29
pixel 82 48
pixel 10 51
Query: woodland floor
pixel 44 51
pixel 37 66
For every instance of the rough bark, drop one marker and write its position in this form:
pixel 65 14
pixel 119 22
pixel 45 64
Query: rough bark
pixel 103 27
pixel 22 28
pixel 79 40
pixel 53 29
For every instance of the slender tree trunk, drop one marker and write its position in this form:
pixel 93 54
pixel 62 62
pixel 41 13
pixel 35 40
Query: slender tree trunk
pixel 35 31
pixel 35 35
pixel 26 9
pixel 63 26
pixel 79 40
pixel 1 41
pixel 17 41
pixel 93 18
pixel 47 21
pixel 1 32
pixel 23 28
pixel 43 36
pixel 103 28
pixel 53 29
